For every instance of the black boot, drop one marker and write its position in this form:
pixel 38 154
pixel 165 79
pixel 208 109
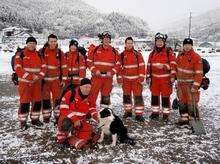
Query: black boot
pixel 127 114
pixel 37 123
pixel 154 116
pixel 139 118
pixel 23 125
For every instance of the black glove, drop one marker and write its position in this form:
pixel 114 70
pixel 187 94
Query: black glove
pixel 67 125
pixel 88 116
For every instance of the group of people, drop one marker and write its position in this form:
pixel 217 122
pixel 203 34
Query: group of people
pixel 42 75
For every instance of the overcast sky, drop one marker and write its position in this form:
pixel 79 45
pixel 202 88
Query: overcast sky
pixel 158 13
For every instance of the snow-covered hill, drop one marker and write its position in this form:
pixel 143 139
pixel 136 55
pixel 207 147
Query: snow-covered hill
pixel 67 18
pixel 204 27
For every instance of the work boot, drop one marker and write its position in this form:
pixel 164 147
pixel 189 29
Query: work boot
pixel 46 120
pixel 23 125
pixel 154 116
pixel 139 118
pixel 37 123
pixel 127 114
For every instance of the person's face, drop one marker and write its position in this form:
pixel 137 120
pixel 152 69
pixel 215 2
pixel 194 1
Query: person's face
pixel 31 46
pixel 52 43
pixel 85 89
pixel 129 44
pixel 73 48
pixel 159 43
pixel 187 47
pixel 106 41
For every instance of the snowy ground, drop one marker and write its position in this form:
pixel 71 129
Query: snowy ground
pixel 156 142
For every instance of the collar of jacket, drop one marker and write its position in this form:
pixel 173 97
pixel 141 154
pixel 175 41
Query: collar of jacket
pixel 27 51
pixel 130 50
pixel 81 95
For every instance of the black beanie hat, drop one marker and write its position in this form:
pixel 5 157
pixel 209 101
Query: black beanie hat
pixel 188 41
pixel 73 42
pixel 31 39
pixel 85 81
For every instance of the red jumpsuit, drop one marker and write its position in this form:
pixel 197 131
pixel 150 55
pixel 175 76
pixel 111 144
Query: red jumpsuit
pixel 56 72
pixel 189 75
pixel 104 60
pixel 161 68
pixel 132 76
pixel 76 110
pixel 29 89
pixel 76 67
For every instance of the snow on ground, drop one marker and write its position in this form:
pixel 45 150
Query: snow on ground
pixel 156 142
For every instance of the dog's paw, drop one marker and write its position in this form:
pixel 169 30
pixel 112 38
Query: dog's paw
pixel 100 140
pixel 113 145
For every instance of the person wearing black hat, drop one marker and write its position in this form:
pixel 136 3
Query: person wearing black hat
pixel 189 76
pixel 103 62
pixel 77 106
pixel 30 69
pixel 75 63
pixel 160 77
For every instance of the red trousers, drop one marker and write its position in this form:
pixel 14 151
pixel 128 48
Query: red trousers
pixel 161 86
pixel 101 84
pixel 185 95
pixel 79 138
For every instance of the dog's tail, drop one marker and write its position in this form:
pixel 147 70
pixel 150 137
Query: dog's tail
pixel 128 140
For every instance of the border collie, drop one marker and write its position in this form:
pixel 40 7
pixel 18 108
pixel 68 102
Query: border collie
pixel 111 124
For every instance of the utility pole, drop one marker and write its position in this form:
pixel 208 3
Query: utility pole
pixel 190 23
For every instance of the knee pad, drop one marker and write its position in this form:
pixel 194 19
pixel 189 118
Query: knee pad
pixel 127 99
pixel 46 104
pixel 155 100
pixel 105 100
pixel 24 107
pixel 138 100
pixel 166 102
pixel 37 106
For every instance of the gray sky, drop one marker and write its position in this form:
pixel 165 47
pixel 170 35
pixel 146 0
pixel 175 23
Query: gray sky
pixel 158 13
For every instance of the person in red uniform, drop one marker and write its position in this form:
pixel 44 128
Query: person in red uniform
pixel 55 78
pixel 75 63
pixel 132 76
pixel 76 107
pixel 30 69
pixel 161 70
pixel 104 63
pixel 189 77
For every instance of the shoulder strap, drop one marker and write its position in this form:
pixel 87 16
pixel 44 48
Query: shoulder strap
pixel 73 93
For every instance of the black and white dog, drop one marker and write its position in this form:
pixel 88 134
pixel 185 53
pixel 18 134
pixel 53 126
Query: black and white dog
pixel 111 124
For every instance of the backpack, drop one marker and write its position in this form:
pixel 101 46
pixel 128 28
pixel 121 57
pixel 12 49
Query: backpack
pixel 57 57
pixel 97 47
pixel 69 87
pixel 205 80
pixel 122 57
pixel 20 52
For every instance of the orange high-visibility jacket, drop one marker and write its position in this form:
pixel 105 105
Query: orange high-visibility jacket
pixel 165 59
pixel 76 65
pixel 133 66
pixel 77 109
pixel 30 65
pixel 56 64
pixel 104 60
pixel 189 68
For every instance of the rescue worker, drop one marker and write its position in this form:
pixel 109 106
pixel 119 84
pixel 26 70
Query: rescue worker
pixel 76 108
pixel 30 68
pixel 104 63
pixel 189 77
pixel 161 71
pixel 75 63
pixel 132 76
pixel 55 78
